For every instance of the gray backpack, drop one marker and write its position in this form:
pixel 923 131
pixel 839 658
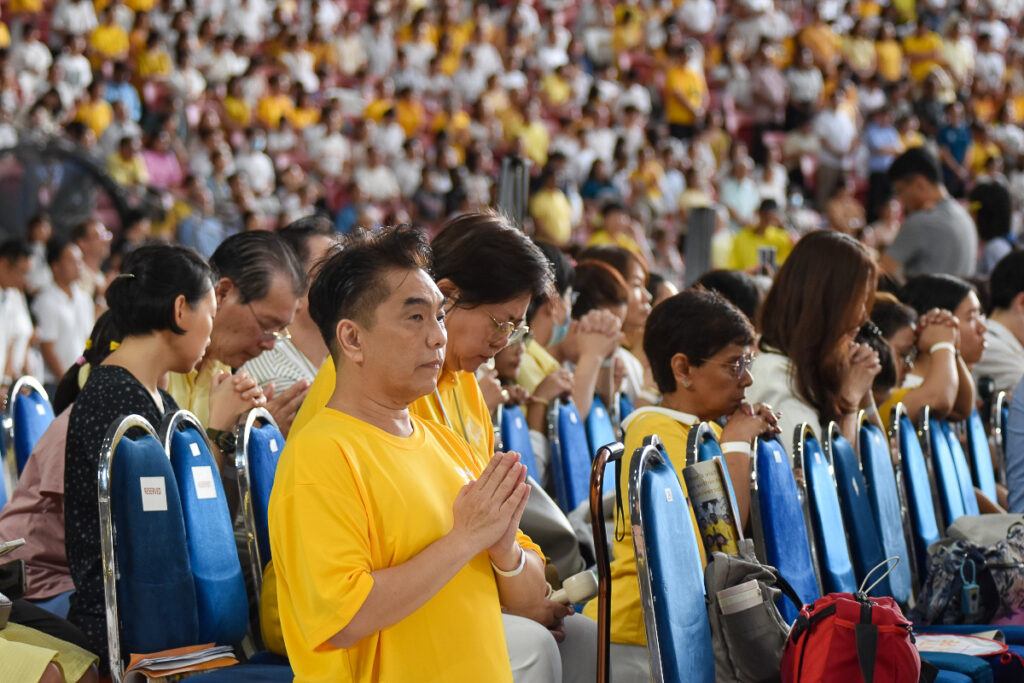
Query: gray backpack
pixel 748 644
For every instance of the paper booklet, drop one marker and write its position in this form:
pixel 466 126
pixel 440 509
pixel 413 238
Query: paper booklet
pixel 709 491
pixel 167 663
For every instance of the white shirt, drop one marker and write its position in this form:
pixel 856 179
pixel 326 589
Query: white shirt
pixel 835 129
pixel 64 320
pixel 774 384
pixel 17 330
pixel 76 18
pixel 259 169
pixel 1003 359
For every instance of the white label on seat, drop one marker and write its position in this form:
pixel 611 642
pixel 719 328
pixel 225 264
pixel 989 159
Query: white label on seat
pixel 40 409
pixel 194 447
pixel 778 458
pixel 856 489
pixel 203 478
pixel 600 412
pixel 154 494
pixel 668 495
pixel 572 418
pixel 519 423
pixel 273 445
pixel 817 457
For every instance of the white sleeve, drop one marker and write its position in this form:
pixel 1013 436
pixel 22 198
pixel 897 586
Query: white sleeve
pixel 45 310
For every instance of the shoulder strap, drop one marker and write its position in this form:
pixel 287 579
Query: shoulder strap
pixel 866 635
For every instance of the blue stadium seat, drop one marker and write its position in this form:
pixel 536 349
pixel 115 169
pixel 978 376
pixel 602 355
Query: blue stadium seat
pixel 947 481
pixel 887 508
pixel 777 520
pixel 570 455
pixel 149 591
pixel 222 604
pixel 826 517
pixel 702 444
pixel 625 407
pixel 256 455
pixel 997 427
pixel 668 562
pixel 604 461
pixel 515 436
pixel 981 456
pixel 600 432
pixel 31 413
pixel 920 500
pixel 962 468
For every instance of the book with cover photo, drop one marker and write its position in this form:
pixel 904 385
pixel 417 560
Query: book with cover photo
pixel 714 505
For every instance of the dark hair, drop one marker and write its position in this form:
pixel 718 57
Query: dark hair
pixel 992 210
pixel 562 272
pixel 14 249
pixel 350 281
pixel 1007 280
pixel 698 323
pixel 104 334
pixel 298 233
pixel 871 335
pixel 55 249
pixel 141 298
pixel 890 315
pixel 597 285
pixel 611 206
pixel 252 259
pixel 736 286
pixel 812 304
pixel 81 230
pixel 654 281
pixel 915 161
pixel 489 260
pixel 617 257
pixel 925 292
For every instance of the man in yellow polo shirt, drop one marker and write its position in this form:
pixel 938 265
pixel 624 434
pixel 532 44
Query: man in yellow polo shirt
pixel 768 232
pixel 686 94
pixel 416 546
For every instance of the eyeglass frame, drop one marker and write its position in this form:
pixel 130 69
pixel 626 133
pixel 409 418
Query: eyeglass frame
pixel 511 331
pixel 282 334
pixel 739 366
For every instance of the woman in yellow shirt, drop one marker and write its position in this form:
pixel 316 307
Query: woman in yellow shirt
pixel 890 53
pixel 702 372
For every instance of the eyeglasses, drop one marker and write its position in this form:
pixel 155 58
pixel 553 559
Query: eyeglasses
pixel 909 356
pixel 738 366
pixel 510 331
pixel 280 334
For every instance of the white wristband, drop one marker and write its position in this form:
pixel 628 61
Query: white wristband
pixel 736 447
pixel 515 572
pixel 942 345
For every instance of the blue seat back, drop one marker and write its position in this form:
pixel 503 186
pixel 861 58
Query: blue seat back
pixel 981 456
pixel 265 444
pixel 708 448
pixel 963 470
pixel 570 456
pixel 601 432
pixel 923 523
pixel 515 436
pixel 827 519
pixel 670 571
pixel 222 604
pixel 31 414
pixel 947 480
pixel 625 406
pixel 155 591
pixel 886 507
pixel 779 523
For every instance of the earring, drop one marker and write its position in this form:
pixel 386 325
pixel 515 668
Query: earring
pixel 687 383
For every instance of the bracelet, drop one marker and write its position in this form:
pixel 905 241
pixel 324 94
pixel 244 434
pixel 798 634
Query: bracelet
pixel 515 572
pixel 736 447
pixel 942 345
pixel 538 399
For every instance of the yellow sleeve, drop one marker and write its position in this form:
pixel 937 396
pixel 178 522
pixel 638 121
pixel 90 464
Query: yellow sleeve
pixel 316 398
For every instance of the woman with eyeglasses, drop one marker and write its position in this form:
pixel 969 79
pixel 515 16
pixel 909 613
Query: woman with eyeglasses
pixel 489 271
pixel 900 336
pixel 948 293
pixel 810 368
pixel 702 371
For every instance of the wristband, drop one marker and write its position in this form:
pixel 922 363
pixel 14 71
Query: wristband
pixel 942 345
pixel 515 572
pixel 736 447
pixel 538 399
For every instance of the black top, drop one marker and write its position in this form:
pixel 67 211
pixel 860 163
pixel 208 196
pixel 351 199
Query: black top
pixel 110 394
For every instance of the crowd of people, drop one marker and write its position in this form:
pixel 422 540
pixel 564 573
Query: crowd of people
pixel 848 174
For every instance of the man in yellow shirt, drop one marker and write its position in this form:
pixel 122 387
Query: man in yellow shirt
pixel 747 243
pixel 686 94
pixel 923 49
pixel 551 211
pixel 378 594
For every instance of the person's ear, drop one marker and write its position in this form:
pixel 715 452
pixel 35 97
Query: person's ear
pixel 223 287
pixel 682 370
pixel 180 308
pixel 1017 303
pixel 348 336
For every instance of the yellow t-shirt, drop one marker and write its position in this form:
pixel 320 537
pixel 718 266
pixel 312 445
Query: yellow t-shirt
pixel 535 141
pixel 552 216
pixel 890 59
pixel 556 89
pixel 602 237
pixel 272 108
pixel 885 410
pixel 410 115
pixel 237 110
pixel 746 242
pixel 915 45
pixel 97 115
pixel 109 41
pixel 131 171
pixel 535 365
pixel 683 82
pixel 673 428
pixel 191 391
pixel 355 485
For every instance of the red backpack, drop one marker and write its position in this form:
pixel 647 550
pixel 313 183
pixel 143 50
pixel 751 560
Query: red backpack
pixel 845 638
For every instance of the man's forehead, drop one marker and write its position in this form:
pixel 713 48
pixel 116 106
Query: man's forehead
pixel 415 283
